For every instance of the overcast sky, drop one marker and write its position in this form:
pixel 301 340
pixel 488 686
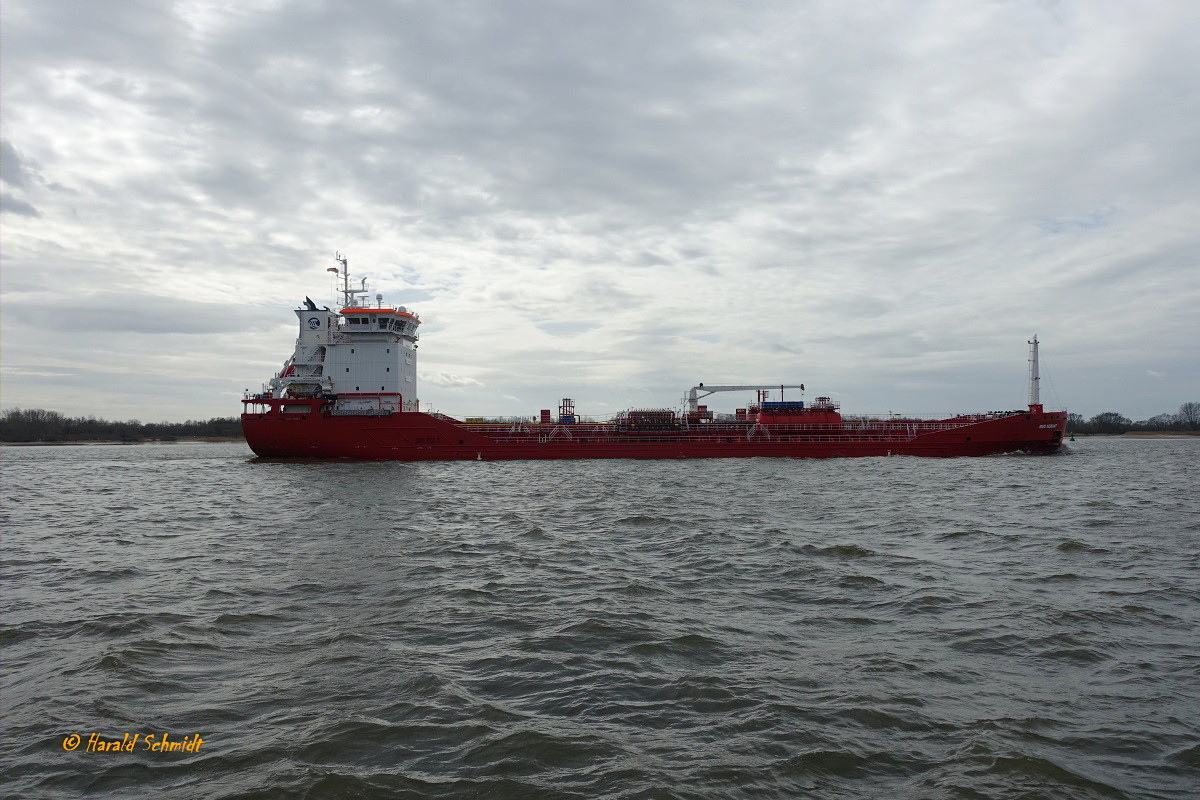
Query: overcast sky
pixel 610 201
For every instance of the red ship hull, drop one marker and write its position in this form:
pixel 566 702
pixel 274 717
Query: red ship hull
pixel 308 429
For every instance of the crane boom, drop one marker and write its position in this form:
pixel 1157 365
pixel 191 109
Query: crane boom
pixel 696 392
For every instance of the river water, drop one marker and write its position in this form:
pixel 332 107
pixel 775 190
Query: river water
pixel 997 627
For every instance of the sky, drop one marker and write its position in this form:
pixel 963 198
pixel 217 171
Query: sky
pixel 607 201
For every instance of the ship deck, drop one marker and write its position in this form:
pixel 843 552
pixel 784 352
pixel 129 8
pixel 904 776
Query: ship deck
pixel 892 430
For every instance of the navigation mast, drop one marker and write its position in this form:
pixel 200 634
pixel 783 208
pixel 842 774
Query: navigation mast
pixel 348 295
pixel 1035 389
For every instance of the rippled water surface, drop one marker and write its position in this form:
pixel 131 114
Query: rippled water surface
pixel 997 627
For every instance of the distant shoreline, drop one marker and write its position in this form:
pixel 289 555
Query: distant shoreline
pixel 228 439
pixel 1161 434
pixel 180 440
pixel 1140 435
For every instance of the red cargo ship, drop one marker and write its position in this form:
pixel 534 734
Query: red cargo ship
pixel 324 404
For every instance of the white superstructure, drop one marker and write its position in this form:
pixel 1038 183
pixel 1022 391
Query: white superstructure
pixel 365 355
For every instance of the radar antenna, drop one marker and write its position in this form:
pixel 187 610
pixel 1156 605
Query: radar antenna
pixel 348 295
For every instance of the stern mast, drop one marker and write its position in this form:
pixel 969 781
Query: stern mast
pixel 1035 388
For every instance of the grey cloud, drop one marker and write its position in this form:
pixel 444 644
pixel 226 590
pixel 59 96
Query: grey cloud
pixel 132 33
pixel 448 380
pixel 567 328
pixel 14 205
pixel 12 166
pixel 515 109
pixel 16 173
pixel 111 312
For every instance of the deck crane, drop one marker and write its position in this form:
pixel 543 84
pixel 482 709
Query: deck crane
pixel 697 392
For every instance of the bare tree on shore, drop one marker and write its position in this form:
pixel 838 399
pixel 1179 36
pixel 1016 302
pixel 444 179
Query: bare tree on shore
pixel 1186 419
pixel 1189 416
pixel 40 425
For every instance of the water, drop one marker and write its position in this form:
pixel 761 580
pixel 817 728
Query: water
pixel 998 627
